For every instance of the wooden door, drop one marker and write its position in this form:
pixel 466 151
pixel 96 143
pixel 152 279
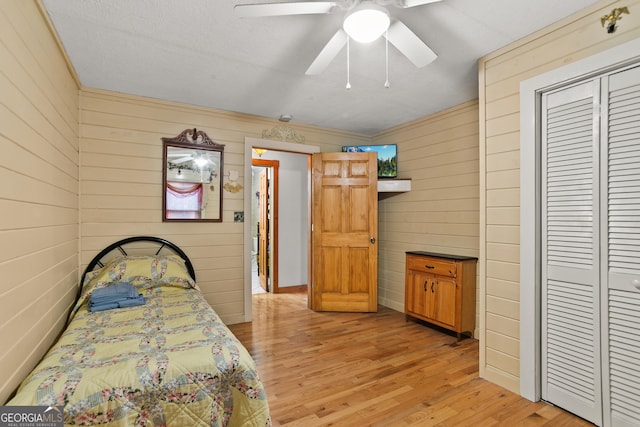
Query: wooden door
pixel 344 232
pixel 263 230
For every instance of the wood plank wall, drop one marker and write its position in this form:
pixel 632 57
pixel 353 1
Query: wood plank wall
pixel 500 74
pixel 38 190
pixel 439 153
pixel 121 182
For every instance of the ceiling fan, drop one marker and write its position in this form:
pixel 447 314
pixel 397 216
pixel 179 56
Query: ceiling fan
pixel 199 158
pixel 368 15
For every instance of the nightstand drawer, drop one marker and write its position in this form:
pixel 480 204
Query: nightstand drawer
pixel 432 265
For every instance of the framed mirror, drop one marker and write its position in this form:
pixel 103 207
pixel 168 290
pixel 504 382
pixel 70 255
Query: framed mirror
pixel 192 178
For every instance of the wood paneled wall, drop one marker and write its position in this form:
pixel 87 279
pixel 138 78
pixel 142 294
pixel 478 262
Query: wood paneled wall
pixel 500 74
pixel 38 190
pixel 439 153
pixel 121 182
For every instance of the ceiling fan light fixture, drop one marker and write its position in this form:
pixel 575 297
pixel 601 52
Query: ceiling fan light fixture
pixel 200 162
pixel 366 22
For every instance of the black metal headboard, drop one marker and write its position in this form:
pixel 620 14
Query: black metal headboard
pixel 119 246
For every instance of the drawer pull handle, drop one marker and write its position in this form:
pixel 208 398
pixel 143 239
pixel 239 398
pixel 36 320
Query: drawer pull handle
pixel 429 266
pixel 432 285
pixel 425 286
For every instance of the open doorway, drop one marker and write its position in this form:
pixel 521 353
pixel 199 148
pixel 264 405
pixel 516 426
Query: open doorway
pixel 280 216
pixel 281 151
pixel 264 224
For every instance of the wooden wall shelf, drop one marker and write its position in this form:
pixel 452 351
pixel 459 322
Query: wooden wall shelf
pixel 390 187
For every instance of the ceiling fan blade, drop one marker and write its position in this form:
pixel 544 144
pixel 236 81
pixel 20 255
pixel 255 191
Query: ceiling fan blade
pixel 410 45
pixel 182 160
pixel 412 3
pixel 280 9
pixel 327 54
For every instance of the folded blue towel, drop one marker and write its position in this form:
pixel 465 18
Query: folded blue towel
pixel 115 296
pixel 102 307
pixel 113 293
pixel 132 302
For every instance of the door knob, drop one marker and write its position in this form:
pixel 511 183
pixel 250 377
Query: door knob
pixel 636 283
pixel 372 240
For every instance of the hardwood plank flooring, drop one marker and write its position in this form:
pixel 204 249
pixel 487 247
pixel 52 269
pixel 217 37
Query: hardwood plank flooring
pixel 375 369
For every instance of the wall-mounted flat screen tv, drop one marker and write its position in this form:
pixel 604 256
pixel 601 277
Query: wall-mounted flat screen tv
pixel 387 157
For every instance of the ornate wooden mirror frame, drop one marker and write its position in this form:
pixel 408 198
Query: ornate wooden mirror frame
pixel 192 178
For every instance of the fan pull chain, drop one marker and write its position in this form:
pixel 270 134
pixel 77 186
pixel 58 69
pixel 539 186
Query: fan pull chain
pixel 348 65
pixel 386 83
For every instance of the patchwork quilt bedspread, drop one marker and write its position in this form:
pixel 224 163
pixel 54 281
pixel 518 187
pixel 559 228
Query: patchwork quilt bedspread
pixel 171 361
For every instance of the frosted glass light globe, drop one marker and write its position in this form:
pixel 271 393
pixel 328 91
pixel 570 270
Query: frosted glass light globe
pixel 366 22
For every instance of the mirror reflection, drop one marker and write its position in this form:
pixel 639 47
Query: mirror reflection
pixel 192 178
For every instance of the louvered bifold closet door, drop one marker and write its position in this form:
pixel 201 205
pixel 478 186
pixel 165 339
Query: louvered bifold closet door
pixel 621 228
pixel 570 258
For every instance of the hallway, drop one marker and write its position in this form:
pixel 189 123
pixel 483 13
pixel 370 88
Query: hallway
pixel 255 280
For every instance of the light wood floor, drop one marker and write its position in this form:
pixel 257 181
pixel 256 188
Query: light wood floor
pixel 350 369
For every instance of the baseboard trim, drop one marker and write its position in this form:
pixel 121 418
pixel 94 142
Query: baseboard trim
pixel 292 289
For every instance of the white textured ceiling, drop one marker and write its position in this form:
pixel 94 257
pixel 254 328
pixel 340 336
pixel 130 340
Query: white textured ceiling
pixel 198 52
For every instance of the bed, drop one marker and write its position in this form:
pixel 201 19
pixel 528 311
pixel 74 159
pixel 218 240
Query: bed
pixel 171 361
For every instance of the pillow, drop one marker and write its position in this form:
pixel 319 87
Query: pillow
pixel 142 271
